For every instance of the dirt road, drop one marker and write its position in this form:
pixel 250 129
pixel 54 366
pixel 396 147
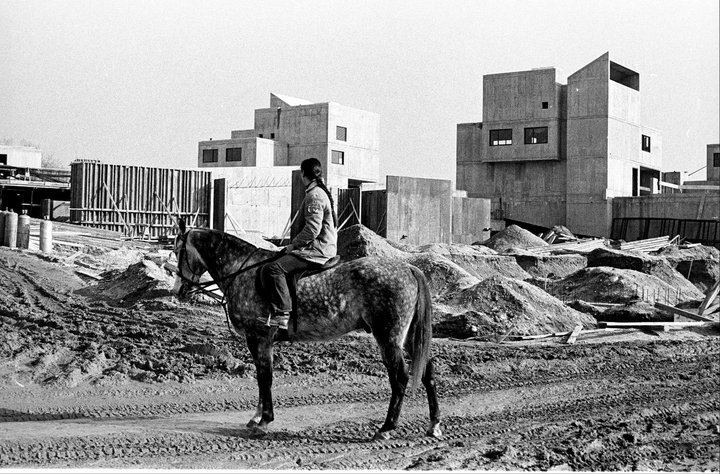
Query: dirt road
pixel 89 380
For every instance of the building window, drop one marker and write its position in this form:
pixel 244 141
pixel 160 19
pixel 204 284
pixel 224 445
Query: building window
pixel 260 135
pixel 341 134
pixel 646 143
pixel 536 135
pixel 716 160
pixel 233 154
pixel 544 105
pixel 210 156
pixel 3 159
pixel 501 137
pixel 338 157
pixel 272 136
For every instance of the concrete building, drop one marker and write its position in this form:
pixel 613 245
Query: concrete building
pixel 257 164
pixel 20 156
pixel 548 153
pixel 713 163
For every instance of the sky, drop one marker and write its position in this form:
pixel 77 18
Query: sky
pixel 141 82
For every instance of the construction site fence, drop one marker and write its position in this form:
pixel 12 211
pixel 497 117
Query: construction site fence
pixel 706 232
pixel 137 201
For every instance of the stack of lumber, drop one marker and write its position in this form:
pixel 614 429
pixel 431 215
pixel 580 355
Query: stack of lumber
pixel 576 246
pixel 646 245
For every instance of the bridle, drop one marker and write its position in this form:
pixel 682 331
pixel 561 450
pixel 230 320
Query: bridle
pixel 197 287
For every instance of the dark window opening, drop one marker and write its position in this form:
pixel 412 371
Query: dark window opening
pixel 233 154
pixel 3 159
pixel 544 105
pixel 635 184
pixel 716 160
pixel 624 76
pixel 260 135
pixel 341 133
pixel 536 135
pixel 646 143
pixel 338 157
pixel 272 135
pixel 501 137
pixel 210 156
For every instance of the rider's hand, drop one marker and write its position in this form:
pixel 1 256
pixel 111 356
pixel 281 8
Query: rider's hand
pixel 288 248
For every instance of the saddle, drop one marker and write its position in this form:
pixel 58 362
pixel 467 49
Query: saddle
pixel 292 281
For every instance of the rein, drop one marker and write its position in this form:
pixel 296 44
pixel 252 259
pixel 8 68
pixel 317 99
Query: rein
pixel 198 287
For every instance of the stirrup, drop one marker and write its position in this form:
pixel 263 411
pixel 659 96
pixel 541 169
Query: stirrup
pixel 280 320
pixel 264 320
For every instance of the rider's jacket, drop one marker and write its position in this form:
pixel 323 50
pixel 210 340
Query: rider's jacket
pixel 317 241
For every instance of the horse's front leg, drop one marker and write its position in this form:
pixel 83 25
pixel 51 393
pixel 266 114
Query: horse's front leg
pixel 261 348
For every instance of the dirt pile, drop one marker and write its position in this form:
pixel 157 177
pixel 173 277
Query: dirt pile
pixel 700 264
pixel 513 237
pixel 550 266
pixel 443 275
pixel 496 305
pixel 615 285
pixel 641 262
pixel 142 280
pixel 358 241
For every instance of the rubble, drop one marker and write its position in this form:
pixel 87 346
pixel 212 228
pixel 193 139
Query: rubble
pixel 700 264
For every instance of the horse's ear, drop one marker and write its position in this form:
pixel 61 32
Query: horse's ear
pixel 181 224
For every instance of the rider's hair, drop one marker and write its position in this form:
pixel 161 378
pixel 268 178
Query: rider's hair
pixel 312 170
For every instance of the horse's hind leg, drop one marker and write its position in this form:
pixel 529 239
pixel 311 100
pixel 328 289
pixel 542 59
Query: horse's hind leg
pixel 398 373
pixel 428 380
pixel 261 350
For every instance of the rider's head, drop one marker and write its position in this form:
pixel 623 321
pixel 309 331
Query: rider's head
pixel 311 169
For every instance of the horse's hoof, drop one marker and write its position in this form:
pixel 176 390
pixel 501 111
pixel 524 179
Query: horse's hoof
pixel 381 435
pixel 259 431
pixel 252 423
pixel 434 431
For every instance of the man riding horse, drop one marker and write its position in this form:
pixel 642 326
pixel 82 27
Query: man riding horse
pixel 311 248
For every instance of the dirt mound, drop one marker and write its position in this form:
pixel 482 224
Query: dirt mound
pixel 498 304
pixel 511 238
pixel 358 241
pixel 142 280
pixel 550 266
pixel 615 285
pixel 443 275
pixel 638 261
pixel 699 264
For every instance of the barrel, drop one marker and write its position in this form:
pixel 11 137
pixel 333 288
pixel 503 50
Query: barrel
pixel 46 235
pixel 23 231
pixel 11 225
pixel 2 227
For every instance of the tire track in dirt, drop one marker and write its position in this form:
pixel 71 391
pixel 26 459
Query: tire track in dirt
pixel 334 439
pixel 699 364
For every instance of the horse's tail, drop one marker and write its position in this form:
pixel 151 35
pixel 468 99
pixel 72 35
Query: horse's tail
pixel 420 332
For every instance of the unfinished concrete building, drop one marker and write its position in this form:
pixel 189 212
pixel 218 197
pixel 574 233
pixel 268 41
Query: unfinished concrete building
pixel 548 153
pixel 253 168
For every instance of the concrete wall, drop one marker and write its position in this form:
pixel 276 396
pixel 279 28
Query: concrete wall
pixel 470 220
pixel 258 199
pixel 668 206
pixel 21 156
pixel 419 209
pixel 362 147
pixel 712 171
pixel 515 101
pixel 255 152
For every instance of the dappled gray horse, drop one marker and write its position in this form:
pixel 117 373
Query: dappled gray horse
pixel 386 297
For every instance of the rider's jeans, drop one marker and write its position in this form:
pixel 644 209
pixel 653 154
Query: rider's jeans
pixel 273 277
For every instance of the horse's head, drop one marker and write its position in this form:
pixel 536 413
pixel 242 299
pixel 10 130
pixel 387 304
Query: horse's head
pixel 190 266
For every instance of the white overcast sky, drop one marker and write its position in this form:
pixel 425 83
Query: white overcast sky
pixel 141 82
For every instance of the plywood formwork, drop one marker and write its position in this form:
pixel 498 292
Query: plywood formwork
pixel 138 201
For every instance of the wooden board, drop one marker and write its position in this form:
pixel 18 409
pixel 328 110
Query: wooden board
pixel 709 298
pixel 681 312
pixel 573 335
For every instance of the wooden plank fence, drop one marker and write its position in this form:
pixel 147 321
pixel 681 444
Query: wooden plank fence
pixel 138 201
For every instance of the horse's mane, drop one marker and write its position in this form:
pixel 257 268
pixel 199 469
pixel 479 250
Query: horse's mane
pixel 249 239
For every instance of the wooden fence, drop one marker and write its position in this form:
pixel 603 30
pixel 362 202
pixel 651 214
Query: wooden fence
pixel 136 200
